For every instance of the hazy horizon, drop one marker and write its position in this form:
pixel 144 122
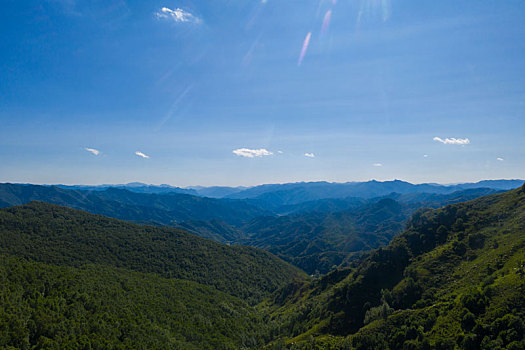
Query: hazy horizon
pixel 259 184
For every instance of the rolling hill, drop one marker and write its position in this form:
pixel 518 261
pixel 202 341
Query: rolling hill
pixel 56 235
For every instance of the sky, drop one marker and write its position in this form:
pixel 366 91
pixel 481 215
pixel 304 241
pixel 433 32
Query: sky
pixel 245 92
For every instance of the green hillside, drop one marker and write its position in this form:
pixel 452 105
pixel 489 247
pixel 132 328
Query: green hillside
pixel 102 307
pixel 56 235
pixel 454 279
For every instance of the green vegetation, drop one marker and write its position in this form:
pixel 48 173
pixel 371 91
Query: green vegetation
pixel 316 242
pixel 101 307
pixel 61 236
pixel 454 279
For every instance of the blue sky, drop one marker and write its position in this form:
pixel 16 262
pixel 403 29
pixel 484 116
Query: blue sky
pixel 244 92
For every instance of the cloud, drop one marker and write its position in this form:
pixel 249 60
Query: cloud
pixel 280 152
pixel 140 154
pixel 500 159
pixel 250 153
pixel 452 141
pixel 92 150
pixel 309 155
pixel 425 155
pixel 177 15
pixel 377 164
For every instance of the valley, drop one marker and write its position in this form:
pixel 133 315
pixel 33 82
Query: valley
pixel 338 273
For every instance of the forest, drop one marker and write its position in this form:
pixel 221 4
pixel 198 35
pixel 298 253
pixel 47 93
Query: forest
pixel 454 278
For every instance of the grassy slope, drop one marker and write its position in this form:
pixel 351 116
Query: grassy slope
pixel 455 278
pixel 56 235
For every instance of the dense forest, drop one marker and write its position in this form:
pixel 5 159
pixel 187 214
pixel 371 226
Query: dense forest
pixel 52 234
pixel 454 278
pixel 44 306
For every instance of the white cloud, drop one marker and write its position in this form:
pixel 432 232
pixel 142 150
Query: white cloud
pixel 500 159
pixel 250 153
pixel 377 164
pixel 280 152
pixel 177 15
pixel 452 141
pixel 140 154
pixel 92 150
pixel 425 155
pixel 309 155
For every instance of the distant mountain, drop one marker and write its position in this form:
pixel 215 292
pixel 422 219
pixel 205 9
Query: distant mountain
pixel 321 234
pixel 453 280
pixel 494 184
pixel 57 235
pixel 289 194
pixel 316 242
pixel 435 200
pixel 133 186
pixel 331 205
pixel 160 209
pixel 216 191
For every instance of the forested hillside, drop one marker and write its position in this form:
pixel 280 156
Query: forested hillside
pixel 316 242
pixel 52 234
pixel 45 306
pixel 454 278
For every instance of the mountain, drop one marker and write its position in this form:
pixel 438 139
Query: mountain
pixel 215 230
pixel 454 279
pixel 216 191
pixel 317 242
pixel 56 235
pixel 132 186
pixel 494 184
pixel 431 200
pixel 436 200
pixel 275 195
pixel 160 209
pixel 314 242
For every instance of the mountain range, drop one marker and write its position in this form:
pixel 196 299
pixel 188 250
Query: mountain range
pixel 452 279
pixel 420 278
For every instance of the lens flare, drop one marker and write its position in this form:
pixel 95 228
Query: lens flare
pixel 305 48
pixel 326 22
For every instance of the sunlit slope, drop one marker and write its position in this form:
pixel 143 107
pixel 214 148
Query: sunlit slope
pixel 455 277
pixel 56 235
